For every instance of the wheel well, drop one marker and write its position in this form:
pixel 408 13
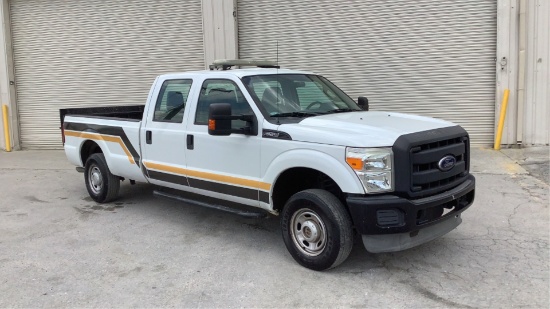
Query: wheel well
pixel 298 179
pixel 89 148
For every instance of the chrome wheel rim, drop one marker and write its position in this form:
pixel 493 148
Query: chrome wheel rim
pixel 308 232
pixel 95 179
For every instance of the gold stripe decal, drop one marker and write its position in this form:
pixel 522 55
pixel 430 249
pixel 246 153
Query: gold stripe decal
pixel 102 137
pixel 210 176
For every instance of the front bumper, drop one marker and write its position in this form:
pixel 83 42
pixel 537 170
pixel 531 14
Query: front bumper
pixel 411 222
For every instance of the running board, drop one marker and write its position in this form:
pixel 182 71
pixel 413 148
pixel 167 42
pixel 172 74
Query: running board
pixel 239 212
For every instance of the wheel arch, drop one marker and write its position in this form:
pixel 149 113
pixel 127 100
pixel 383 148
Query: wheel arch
pixel 88 148
pixel 296 179
pixel 91 146
pixel 292 168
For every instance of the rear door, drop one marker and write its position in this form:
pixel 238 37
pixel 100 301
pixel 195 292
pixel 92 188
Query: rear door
pixel 163 138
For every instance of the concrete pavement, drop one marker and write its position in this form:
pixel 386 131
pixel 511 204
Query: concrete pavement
pixel 535 160
pixel 60 249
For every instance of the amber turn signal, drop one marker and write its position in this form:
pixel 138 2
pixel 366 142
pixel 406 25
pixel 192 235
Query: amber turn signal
pixel 355 163
pixel 211 124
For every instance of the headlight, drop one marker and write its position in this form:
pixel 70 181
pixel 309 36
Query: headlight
pixel 373 166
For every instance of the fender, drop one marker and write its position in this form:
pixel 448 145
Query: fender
pixel 74 150
pixel 104 148
pixel 115 156
pixel 340 172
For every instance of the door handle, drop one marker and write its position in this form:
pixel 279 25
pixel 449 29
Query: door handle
pixel 148 137
pixel 190 142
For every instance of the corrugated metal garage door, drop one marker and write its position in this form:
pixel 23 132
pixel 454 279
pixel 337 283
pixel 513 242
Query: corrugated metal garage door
pixel 95 52
pixel 434 58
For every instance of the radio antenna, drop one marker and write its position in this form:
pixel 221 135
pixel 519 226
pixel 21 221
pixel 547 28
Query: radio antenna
pixel 277 55
pixel 277 79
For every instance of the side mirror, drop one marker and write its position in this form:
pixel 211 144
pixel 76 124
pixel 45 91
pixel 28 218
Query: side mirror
pixel 219 121
pixel 363 102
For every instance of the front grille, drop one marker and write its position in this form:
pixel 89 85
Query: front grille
pixel 427 178
pixel 416 158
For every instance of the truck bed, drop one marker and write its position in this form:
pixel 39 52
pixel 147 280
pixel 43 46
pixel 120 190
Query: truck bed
pixel 114 129
pixel 121 112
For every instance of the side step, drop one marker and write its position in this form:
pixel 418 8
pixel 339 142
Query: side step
pixel 240 212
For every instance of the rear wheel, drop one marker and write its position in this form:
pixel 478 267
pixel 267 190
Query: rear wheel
pixel 317 229
pixel 101 184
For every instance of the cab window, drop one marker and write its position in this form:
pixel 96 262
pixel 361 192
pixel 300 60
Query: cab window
pixel 221 91
pixel 170 104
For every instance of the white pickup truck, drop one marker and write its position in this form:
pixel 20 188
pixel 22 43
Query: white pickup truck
pixel 266 140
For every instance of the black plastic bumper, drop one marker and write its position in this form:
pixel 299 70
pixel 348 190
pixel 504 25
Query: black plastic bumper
pixel 413 215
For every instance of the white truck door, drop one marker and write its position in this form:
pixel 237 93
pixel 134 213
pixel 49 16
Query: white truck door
pixel 163 136
pixel 226 167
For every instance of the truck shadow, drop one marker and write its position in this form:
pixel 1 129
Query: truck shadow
pixel 238 231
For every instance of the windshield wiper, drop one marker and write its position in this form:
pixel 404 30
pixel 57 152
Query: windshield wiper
pixel 341 110
pixel 295 114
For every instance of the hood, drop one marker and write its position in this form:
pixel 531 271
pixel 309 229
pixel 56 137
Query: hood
pixel 360 129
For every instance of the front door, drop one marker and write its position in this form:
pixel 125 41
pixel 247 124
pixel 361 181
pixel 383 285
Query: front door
pixel 225 167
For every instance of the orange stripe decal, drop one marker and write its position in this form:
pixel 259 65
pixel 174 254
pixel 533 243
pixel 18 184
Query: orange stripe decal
pixel 210 176
pixel 102 137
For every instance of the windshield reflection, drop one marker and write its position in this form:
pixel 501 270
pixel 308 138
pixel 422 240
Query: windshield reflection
pixel 297 95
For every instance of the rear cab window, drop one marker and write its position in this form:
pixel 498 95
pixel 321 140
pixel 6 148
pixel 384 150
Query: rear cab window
pixel 170 105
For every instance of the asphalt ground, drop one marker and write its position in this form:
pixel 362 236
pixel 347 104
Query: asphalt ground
pixel 58 248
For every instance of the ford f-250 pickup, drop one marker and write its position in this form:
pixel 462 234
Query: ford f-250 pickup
pixel 290 143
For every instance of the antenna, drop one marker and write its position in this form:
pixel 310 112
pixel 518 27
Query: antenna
pixel 277 86
pixel 277 61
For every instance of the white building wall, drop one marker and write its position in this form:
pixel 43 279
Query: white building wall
pixel 507 67
pixel 219 25
pixel 7 89
pixel 536 117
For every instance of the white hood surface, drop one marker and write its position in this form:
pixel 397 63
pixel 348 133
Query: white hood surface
pixel 360 129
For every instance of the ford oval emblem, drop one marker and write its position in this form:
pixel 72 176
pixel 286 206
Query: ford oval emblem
pixel 446 163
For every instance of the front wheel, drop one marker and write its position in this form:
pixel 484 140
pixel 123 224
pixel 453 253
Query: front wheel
pixel 317 229
pixel 101 184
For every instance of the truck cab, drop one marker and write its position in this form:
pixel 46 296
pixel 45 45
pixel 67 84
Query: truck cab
pixel 288 143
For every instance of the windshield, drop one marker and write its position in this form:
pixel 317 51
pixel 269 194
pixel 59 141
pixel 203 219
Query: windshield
pixel 297 95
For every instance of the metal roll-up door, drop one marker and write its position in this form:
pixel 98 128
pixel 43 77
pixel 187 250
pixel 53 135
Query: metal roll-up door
pixel 433 58
pixel 71 53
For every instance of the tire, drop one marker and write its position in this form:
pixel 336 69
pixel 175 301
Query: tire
pixel 101 184
pixel 317 229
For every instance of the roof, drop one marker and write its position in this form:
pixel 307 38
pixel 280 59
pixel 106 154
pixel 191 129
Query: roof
pixel 239 72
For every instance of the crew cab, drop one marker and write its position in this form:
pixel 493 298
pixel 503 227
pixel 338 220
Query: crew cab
pixel 288 143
